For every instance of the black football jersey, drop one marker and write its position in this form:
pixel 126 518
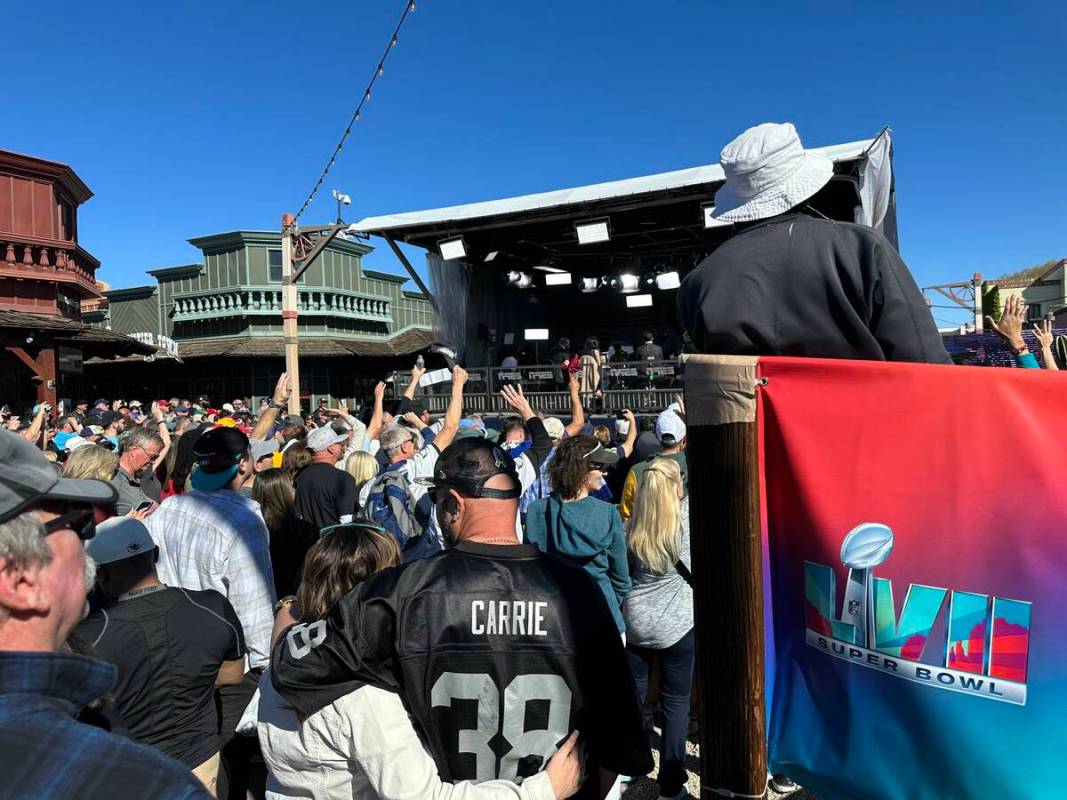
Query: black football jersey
pixel 498 652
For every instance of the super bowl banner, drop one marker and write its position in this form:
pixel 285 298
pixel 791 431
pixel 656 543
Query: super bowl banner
pixel 916 523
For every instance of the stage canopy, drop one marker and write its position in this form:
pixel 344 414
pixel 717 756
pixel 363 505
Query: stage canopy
pixel 649 226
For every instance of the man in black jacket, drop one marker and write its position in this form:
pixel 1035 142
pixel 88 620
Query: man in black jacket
pixel 791 284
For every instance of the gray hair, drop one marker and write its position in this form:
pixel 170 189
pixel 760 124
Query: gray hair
pixel 393 438
pixel 22 542
pixel 139 437
pixel 23 545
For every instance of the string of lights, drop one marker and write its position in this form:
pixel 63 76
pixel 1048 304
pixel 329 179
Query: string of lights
pixel 379 70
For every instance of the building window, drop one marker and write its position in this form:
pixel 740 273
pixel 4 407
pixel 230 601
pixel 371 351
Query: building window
pixel 274 260
pixel 1033 311
pixel 66 221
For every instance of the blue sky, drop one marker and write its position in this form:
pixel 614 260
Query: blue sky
pixel 193 118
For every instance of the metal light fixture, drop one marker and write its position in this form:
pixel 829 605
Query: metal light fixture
pixel 592 231
pixel 520 280
pixel 709 220
pixel 452 249
pixel 590 284
pixel 558 279
pixel 627 283
pixel 639 301
pixel 668 280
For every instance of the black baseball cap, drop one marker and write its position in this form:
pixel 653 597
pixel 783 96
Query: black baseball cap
pixel 217 453
pixel 468 464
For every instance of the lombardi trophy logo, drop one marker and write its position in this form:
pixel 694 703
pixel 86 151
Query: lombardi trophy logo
pixel 865 547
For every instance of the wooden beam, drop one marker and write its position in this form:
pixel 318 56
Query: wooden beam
pixel 724 497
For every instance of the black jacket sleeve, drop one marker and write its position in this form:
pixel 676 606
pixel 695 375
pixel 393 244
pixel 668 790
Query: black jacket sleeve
pixel 900 320
pixel 540 443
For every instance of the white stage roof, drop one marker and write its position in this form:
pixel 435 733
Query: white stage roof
pixel 678 179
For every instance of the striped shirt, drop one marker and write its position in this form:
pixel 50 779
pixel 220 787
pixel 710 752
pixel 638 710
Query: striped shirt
pixel 218 540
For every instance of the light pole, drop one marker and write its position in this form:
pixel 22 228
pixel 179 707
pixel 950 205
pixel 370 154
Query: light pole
pixel 340 198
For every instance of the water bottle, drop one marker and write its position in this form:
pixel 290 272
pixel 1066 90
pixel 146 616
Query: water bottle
pixel 420 362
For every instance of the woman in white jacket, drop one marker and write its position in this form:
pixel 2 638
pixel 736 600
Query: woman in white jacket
pixel 364 746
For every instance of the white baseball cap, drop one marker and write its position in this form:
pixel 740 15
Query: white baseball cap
pixel 555 427
pixel 670 429
pixel 321 438
pixel 119 538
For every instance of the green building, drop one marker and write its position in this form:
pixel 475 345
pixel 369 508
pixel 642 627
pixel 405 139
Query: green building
pixel 218 325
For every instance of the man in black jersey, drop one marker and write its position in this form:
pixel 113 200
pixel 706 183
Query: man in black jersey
pixel 497 650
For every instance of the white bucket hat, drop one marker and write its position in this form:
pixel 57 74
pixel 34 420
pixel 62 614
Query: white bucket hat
pixel 768 171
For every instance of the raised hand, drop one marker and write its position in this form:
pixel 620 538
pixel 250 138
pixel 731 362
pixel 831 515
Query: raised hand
pixel 379 390
pixel 514 397
pixel 283 389
pixel 459 375
pixel 1043 333
pixel 1010 325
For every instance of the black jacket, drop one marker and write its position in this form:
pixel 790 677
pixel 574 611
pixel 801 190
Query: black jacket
pixel 799 286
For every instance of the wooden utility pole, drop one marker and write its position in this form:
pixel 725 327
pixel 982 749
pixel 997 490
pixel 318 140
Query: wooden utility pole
pixel 724 497
pixel 289 331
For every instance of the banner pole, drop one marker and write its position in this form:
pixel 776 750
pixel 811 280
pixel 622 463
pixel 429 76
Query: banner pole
pixel 726 542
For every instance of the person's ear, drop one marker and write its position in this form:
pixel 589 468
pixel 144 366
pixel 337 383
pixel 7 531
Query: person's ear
pixel 22 590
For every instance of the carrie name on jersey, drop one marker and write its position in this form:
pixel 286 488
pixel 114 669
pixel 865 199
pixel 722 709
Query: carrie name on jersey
pixel 508 618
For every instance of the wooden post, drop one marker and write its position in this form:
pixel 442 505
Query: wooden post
pixel 724 497
pixel 289 328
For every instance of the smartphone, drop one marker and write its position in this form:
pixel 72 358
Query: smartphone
pixel 147 505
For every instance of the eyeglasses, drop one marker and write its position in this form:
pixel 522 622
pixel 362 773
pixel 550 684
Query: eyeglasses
pixel 151 456
pixel 79 519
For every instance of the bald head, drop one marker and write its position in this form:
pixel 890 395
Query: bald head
pixel 479 519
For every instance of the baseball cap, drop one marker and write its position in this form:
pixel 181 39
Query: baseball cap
pixel 181 410
pixel 135 404
pixel 74 442
pixel 294 421
pixel 670 429
pixel 466 465
pixel 119 538
pixel 217 452
pixel 100 400
pixel 92 430
pixel 27 477
pixel 598 455
pixel 321 438
pixel 109 417
pixel 227 407
pixel 555 427
pixel 262 449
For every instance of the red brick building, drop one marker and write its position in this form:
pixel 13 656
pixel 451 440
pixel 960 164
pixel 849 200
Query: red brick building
pixel 44 276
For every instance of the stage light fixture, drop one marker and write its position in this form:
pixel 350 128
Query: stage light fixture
pixel 520 280
pixel 491 256
pixel 709 220
pixel 639 301
pixel 628 283
pixel 590 284
pixel 557 279
pixel 536 334
pixel 592 231
pixel 668 280
pixel 548 268
pixel 452 249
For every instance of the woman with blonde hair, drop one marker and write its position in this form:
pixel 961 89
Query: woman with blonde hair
pixel 362 466
pixel 659 609
pixel 363 746
pixel 91 461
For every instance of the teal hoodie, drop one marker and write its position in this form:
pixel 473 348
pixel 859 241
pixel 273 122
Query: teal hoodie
pixel 589 532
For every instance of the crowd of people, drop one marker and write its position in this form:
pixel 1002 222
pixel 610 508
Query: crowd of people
pixel 309 606
pixel 211 600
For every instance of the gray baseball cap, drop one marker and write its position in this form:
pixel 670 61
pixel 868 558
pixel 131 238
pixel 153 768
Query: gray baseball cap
pixel 119 538
pixel 27 478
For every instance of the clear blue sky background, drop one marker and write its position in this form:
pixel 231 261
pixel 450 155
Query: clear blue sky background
pixel 193 118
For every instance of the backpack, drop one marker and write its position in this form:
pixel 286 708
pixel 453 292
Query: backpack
pixel 391 505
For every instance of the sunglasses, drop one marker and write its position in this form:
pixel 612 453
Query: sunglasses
pixel 79 519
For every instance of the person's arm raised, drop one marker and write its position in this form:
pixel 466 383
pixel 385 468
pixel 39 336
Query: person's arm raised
pixel 631 433
pixel 454 410
pixel 375 426
pixel 164 434
pixel 34 431
pixel 1044 336
pixel 282 389
pixel 577 423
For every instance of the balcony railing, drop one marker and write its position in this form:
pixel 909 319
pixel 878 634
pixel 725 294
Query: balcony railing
pixel 641 386
pixel 267 301
pixel 59 261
